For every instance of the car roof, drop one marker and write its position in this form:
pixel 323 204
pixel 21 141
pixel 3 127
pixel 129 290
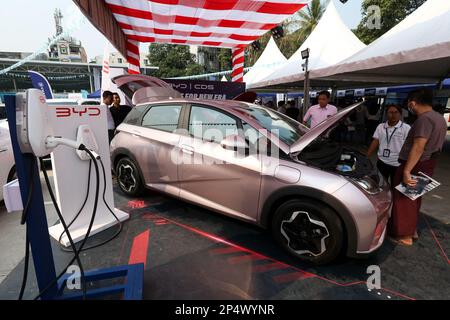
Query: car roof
pixel 226 105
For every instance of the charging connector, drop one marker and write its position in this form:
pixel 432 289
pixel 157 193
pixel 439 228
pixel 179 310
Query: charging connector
pixel 53 142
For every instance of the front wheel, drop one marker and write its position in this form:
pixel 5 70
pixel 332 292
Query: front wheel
pixel 308 230
pixel 128 177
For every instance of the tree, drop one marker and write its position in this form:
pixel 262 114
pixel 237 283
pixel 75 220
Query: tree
pixel 225 57
pixel 306 20
pixel 391 13
pixel 251 54
pixel 173 60
pixel 296 29
pixel 194 69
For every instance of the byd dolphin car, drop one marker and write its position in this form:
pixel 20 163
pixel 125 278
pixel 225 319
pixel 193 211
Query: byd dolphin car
pixel 318 198
pixel 7 165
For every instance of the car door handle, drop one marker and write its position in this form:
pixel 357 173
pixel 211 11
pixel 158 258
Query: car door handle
pixel 3 150
pixel 187 149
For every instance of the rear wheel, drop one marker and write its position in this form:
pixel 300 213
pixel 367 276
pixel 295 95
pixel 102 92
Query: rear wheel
pixel 308 230
pixel 128 177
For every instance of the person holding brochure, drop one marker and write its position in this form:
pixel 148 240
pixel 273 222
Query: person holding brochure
pixel 419 154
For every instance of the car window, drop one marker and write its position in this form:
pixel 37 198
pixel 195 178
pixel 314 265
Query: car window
pixel 90 103
pixel 210 124
pixel 286 129
pixel 2 113
pixel 135 115
pixel 251 134
pixel 163 118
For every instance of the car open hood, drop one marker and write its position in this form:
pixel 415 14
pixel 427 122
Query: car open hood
pixel 314 133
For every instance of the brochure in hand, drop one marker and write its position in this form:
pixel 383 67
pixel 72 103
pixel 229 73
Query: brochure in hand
pixel 424 185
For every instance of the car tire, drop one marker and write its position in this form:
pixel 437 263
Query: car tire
pixel 308 230
pixel 128 177
pixel 12 175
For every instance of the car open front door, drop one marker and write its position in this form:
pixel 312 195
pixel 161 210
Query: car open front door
pixel 215 175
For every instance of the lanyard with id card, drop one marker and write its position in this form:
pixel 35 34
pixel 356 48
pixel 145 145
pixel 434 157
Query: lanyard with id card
pixel 387 151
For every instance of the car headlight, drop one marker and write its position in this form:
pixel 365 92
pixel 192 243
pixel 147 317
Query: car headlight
pixel 367 184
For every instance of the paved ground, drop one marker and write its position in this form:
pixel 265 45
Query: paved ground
pixel 437 202
pixel 232 260
pixel 12 234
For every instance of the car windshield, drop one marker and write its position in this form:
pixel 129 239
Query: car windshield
pixel 286 129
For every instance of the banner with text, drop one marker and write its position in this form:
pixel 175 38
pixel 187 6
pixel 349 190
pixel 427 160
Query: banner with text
pixel 207 90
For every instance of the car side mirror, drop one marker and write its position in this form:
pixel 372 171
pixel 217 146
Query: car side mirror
pixel 234 142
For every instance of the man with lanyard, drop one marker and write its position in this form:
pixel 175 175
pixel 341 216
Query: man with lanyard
pixel 388 139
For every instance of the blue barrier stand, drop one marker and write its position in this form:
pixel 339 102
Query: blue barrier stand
pixel 36 227
pixel 37 230
pixel 131 289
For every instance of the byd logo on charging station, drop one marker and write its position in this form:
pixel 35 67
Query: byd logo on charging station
pixel 65 112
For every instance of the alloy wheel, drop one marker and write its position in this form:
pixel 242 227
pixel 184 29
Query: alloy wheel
pixel 126 177
pixel 305 235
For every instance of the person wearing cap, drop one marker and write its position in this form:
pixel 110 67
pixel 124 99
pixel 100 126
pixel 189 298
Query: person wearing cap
pixel 388 141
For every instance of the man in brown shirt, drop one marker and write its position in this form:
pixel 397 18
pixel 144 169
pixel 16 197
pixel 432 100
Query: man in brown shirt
pixel 419 153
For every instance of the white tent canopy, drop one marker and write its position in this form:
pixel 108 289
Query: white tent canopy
pixel 417 50
pixel 269 59
pixel 329 43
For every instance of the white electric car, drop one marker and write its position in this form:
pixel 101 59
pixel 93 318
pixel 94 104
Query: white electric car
pixel 447 116
pixel 7 167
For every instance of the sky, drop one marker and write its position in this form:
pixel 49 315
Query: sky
pixel 28 29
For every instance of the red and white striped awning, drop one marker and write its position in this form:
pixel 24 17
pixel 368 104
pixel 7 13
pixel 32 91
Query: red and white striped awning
pixel 217 23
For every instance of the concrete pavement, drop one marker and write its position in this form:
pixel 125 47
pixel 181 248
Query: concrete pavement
pixel 12 236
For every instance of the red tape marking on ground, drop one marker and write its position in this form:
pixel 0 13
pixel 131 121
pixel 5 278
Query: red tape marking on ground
pixel 269 267
pixel 243 259
pixel 139 250
pixel 240 248
pixel 136 204
pixel 436 240
pixel 294 276
pixel 224 250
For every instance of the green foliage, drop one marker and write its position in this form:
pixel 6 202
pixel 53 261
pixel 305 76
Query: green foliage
pixel 194 69
pixel 296 30
pixel 173 60
pixel 392 12
pixel 308 19
pixel 225 59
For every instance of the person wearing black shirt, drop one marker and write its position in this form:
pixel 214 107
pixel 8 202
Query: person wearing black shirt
pixel 292 111
pixel 118 111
